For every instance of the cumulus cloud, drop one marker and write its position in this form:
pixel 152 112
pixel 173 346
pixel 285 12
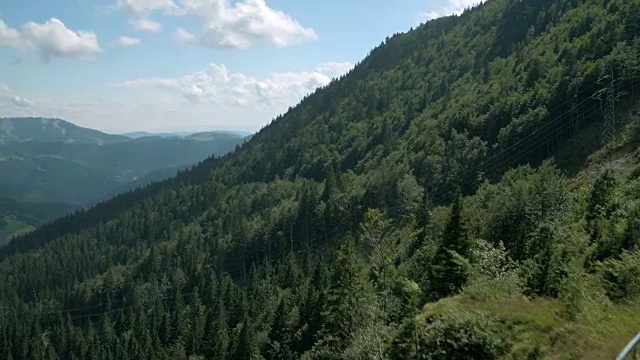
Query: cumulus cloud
pixel 334 69
pixel 141 7
pixel 240 25
pixel 216 85
pixel 93 113
pixel 8 94
pixel 213 98
pixel 146 25
pixel 4 89
pixel 244 24
pixel 50 39
pixel 11 37
pixel 453 7
pixel 22 102
pixel 184 37
pixel 125 41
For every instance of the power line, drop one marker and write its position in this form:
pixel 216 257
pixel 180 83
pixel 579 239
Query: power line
pixel 514 151
pixel 495 162
pixel 316 245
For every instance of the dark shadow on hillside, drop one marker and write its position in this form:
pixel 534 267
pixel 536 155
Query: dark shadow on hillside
pixel 587 146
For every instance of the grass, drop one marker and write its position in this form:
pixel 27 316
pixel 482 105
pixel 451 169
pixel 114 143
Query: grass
pixel 540 331
pixel 11 228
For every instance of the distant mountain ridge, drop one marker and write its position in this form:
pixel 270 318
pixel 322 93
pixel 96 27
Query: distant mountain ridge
pixel 52 130
pixel 36 129
pixel 183 134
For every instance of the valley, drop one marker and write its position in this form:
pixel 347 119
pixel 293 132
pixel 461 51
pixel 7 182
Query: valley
pixel 47 161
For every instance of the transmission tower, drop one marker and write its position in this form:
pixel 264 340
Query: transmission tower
pixel 608 97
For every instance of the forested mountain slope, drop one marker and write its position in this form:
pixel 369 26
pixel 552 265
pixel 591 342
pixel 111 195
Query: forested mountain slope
pixel 395 188
pixel 18 217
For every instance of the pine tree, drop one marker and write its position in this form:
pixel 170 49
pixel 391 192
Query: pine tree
pixel 340 310
pixel 246 347
pixel 281 331
pixel 178 352
pixel 198 326
pixel 376 236
pixel 447 275
pixel 217 334
pixel 422 222
pixel 311 306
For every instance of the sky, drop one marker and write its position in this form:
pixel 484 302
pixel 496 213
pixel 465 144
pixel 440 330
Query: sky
pixel 186 65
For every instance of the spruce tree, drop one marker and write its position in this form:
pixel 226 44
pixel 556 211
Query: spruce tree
pixel 340 310
pixel 246 348
pixel 447 275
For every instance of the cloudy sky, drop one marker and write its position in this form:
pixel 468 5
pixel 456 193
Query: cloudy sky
pixel 167 65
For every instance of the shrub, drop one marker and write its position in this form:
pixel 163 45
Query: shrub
pixel 622 276
pixel 459 335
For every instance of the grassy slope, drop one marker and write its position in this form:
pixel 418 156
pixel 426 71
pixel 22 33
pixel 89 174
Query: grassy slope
pixel 13 227
pixel 539 327
pixel 21 216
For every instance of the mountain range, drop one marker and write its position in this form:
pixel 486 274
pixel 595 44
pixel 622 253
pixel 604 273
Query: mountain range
pixel 52 161
pixel 181 134
pixel 470 190
pixel 25 130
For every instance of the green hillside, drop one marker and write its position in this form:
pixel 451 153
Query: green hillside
pixel 11 227
pixel 19 217
pixel 449 198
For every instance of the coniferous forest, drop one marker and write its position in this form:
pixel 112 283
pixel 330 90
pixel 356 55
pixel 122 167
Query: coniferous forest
pixel 463 193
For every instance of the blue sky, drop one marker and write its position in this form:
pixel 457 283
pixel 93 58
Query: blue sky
pixel 167 65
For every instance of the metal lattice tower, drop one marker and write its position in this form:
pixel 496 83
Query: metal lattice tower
pixel 609 111
pixel 608 98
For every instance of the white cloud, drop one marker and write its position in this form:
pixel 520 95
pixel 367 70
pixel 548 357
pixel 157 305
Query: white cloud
pixel 184 37
pixel 216 85
pixel 11 37
pixel 50 39
pixel 146 25
pixel 8 94
pixel 5 89
pixel 453 7
pixel 22 102
pixel 244 24
pixel 240 25
pixel 128 111
pixel 125 41
pixel 141 7
pixel 213 98
pixel 335 69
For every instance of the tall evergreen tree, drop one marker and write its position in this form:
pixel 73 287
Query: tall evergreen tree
pixel 447 274
pixel 246 348
pixel 340 309
pixel 282 333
